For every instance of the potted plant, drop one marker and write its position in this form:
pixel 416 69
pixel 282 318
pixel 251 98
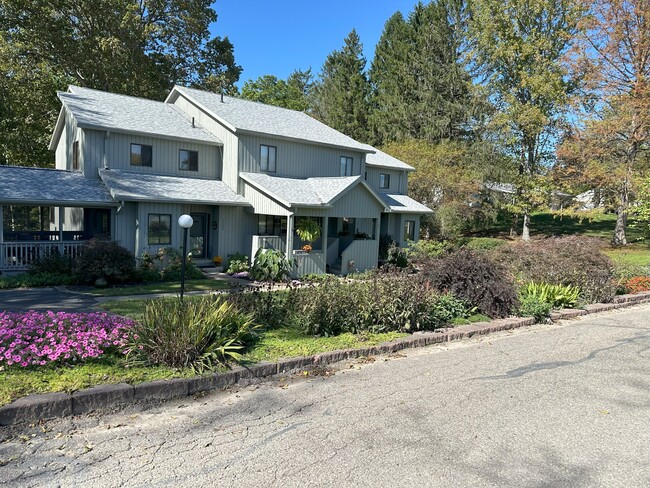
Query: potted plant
pixel 308 230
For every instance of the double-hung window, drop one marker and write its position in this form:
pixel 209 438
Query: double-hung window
pixel 268 158
pixel 188 160
pixel 159 229
pixel 409 230
pixel 346 166
pixel 384 181
pixel 141 155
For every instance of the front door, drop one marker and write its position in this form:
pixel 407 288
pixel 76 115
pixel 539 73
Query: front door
pixel 198 236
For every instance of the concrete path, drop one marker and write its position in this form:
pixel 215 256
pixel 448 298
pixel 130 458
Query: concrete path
pixel 548 406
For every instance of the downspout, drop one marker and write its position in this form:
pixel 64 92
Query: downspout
pixel 105 155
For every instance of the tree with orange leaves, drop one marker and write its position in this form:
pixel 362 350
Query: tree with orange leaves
pixel 607 146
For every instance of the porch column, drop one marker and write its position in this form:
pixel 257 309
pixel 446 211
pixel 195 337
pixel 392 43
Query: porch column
pixel 2 225
pixel 61 210
pixel 289 236
pixel 323 234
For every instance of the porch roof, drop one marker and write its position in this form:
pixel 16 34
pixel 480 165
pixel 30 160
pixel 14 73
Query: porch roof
pixel 20 185
pixel 404 204
pixel 131 186
pixel 295 192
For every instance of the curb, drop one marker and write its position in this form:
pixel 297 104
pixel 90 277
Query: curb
pixel 34 408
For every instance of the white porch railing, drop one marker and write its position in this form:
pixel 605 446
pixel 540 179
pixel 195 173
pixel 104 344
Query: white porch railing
pixel 17 256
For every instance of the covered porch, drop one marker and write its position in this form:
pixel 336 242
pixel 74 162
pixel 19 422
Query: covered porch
pixel 43 212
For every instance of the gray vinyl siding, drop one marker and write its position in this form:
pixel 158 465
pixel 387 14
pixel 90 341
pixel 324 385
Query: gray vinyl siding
pixel 125 226
pixel 261 203
pixel 229 151
pixel 296 159
pixel 397 180
pixel 63 151
pixel 236 229
pixel 358 203
pixel 165 155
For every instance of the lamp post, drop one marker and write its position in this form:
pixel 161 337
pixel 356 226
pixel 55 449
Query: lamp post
pixel 185 221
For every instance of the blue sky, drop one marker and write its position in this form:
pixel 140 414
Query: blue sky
pixel 277 36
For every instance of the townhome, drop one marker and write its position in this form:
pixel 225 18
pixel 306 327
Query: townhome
pixel 247 173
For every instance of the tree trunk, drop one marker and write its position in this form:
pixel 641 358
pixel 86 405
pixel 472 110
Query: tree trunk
pixel 513 225
pixel 620 238
pixel 525 232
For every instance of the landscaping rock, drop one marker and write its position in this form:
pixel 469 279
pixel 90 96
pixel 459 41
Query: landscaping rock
pixel 601 307
pixel 229 378
pixel 202 383
pixel 33 408
pixel 161 389
pixel 330 357
pixel 104 397
pixel 259 370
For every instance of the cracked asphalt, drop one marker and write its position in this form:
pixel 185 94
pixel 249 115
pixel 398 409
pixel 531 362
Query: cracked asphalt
pixel 544 406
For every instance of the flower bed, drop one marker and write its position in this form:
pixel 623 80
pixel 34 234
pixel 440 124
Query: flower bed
pixel 39 338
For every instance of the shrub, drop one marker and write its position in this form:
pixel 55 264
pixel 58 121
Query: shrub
pixel 637 284
pixel 426 249
pixel 397 257
pixel 576 261
pixel 476 279
pixel 534 306
pixel 199 334
pixel 172 260
pixel 623 272
pixel 270 308
pixel 104 259
pixel 27 280
pixel 237 263
pixel 39 338
pixel 385 241
pixel 483 243
pixel 51 263
pixel 270 265
pixel 558 296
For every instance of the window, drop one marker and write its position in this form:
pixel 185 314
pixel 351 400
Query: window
pixel 268 157
pixel 409 230
pixel 346 166
pixel 188 160
pixel 75 156
pixel 384 181
pixel 269 225
pixel 159 229
pixel 140 155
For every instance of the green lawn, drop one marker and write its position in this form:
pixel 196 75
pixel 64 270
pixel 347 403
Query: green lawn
pixel 637 255
pixel 162 287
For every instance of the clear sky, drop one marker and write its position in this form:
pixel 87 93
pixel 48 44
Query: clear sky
pixel 274 37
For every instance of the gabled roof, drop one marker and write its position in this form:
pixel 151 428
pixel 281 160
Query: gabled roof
pixel 382 160
pixel 131 186
pixel 404 204
pixel 35 186
pixel 94 109
pixel 253 117
pixel 310 192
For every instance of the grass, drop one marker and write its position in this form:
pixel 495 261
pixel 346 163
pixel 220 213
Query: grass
pixel 17 382
pixel 162 287
pixel 637 255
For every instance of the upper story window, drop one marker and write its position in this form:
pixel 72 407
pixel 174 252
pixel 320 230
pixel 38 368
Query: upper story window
pixel 346 166
pixel 268 157
pixel 141 155
pixel 384 181
pixel 188 160
pixel 75 156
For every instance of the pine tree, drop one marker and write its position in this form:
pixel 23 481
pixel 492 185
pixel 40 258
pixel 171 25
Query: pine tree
pixel 341 95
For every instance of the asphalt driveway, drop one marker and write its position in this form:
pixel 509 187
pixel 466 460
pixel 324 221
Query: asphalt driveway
pixel 23 299
pixel 562 405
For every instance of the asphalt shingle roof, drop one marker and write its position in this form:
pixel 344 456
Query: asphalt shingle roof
pixel 145 187
pixel 382 160
pixel 248 116
pixel 103 110
pixel 404 204
pixel 35 186
pixel 301 192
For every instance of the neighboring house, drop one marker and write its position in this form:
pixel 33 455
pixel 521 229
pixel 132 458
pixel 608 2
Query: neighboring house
pixel 127 168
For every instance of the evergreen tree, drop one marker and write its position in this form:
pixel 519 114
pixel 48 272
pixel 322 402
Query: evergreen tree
pixel 292 93
pixel 341 95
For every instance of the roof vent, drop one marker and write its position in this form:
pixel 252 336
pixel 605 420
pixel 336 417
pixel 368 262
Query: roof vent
pixel 222 95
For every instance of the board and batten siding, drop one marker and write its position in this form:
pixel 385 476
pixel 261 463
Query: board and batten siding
pixel 263 204
pixel 229 151
pixel 397 180
pixel 165 155
pixel 237 225
pixel 357 203
pixel 63 151
pixel 125 226
pixel 296 159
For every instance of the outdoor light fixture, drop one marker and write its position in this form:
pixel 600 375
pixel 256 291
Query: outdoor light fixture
pixel 185 221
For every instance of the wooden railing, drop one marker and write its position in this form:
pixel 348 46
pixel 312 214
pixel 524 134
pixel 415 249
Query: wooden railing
pixel 17 256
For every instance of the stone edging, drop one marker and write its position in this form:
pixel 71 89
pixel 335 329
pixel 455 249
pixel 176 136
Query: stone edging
pixel 34 408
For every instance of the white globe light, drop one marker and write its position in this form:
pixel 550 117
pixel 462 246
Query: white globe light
pixel 185 221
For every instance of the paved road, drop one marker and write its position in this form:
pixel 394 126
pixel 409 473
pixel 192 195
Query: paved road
pixel 23 299
pixel 549 406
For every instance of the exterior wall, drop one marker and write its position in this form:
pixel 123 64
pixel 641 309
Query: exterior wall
pixel 125 226
pixel 397 180
pixel 261 203
pixel 116 150
pixel 358 203
pixel 360 256
pixel 296 159
pixel 236 229
pixel 63 151
pixel 229 151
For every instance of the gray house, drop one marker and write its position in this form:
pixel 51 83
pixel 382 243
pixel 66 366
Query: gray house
pixel 127 168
